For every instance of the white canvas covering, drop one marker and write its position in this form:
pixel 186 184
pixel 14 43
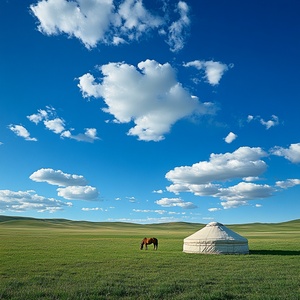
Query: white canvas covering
pixel 215 238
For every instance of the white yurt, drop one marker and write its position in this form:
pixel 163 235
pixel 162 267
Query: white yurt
pixel 215 238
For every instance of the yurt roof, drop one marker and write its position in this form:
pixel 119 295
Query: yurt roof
pixel 215 231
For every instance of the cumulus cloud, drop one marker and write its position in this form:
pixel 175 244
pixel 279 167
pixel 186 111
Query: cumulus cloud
pixel 57 177
pixel 21 131
pixel 149 95
pixel 78 192
pixel 239 194
pixel 28 200
pixel 173 202
pixel 57 125
pixel 243 162
pixel 230 137
pixel 207 178
pixel 292 153
pixel 213 70
pixel 86 20
pixel 108 22
pixel 71 186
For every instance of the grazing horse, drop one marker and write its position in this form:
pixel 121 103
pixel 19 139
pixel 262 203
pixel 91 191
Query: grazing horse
pixel 148 241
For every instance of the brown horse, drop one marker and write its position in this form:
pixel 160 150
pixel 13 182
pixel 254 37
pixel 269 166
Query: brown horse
pixel 148 241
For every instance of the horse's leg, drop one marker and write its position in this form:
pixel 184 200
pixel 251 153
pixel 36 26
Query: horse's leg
pixel 146 246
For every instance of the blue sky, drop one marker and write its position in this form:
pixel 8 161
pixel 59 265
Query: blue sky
pixel 150 111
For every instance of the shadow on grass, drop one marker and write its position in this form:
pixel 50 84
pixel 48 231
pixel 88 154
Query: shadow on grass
pixel 274 252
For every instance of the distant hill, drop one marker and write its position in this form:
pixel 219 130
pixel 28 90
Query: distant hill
pixel 64 222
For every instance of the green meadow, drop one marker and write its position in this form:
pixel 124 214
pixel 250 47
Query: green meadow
pixel 60 259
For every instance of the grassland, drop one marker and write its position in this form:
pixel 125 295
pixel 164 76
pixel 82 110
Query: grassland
pixel 60 259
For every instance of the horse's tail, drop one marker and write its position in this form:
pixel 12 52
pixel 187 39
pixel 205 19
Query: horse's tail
pixel 156 243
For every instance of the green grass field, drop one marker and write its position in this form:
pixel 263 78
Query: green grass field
pixel 60 259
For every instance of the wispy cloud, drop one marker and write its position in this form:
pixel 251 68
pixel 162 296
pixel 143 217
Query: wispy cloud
pixel 288 183
pixel 274 121
pixel 157 211
pixel 21 131
pixel 92 209
pixel 57 125
pixel 178 30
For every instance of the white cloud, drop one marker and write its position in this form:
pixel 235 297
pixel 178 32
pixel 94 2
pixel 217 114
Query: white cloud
pixel 72 187
pixel 78 192
pixel 108 22
pixel 268 124
pixel 131 199
pixel 243 162
pixel 214 209
pixel 90 135
pixel 57 177
pixel 28 200
pixel 157 211
pixel 177 31
pixel 242 192
pixel 251 178
pixel 92 209
pixel 288 183
pixel 21 131
pixel 213 70
pixel 135 19
pixel 57 125
pixel 41 115
pixel 230 137
pixel 86 20
pixel 199 178
pixel 292 153
pixel 250 118
pixel 173 202
pixel 158 191
pixel 150 96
